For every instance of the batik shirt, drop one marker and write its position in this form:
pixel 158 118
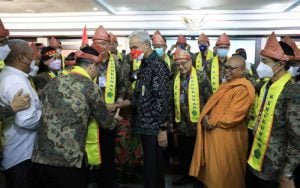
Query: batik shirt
pixel 151 97
pixel 283 153
pixel 69 103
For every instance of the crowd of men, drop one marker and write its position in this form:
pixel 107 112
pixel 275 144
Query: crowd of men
pixel 232 124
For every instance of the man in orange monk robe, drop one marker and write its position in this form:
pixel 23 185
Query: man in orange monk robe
pixel 220 152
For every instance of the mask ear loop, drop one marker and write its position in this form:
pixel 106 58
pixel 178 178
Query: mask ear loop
pixel 280 63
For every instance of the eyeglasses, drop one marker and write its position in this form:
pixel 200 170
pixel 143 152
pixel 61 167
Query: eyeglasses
pixel 182 64
pixel 230 68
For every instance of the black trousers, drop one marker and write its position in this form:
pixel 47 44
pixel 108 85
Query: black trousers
pixel 153 163
pixel 21 176
pixel 61 177
pixel 253 181
pixel 185 152
pixel 106 175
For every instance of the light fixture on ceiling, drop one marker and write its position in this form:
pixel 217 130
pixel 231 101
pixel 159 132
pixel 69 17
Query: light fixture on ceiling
pixel 123 8
pixel 194 22
pixel 195 8
pixel 30 11
pixel 95 9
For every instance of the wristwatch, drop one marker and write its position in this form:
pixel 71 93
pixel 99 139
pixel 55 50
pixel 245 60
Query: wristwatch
pixel 163 128
pixel 289 176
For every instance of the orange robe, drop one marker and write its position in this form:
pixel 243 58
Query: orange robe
pixel 220 153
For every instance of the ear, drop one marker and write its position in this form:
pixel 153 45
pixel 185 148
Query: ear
pixel 22 58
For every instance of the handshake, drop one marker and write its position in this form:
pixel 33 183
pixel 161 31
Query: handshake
pixel 115 108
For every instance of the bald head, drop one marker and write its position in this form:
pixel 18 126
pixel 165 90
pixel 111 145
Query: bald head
pixel 20 56
pixel 18 47
pixel 234 68
pixel 237 60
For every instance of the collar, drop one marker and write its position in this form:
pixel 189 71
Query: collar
pixel 152 56
pixel 15 71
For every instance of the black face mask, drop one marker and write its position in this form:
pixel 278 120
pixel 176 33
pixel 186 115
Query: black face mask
pixel 202 48
pixel 181 46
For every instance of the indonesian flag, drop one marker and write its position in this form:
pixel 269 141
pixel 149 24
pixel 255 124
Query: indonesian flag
pixel 84 38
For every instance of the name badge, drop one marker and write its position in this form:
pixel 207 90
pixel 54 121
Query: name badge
pixel 143 90
pixel 102 81
pixel 182 98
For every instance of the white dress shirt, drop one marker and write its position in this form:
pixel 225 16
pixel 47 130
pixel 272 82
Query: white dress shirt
pixel 19 134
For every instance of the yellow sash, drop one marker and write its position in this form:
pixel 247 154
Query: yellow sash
pixel 51 74
pixel 135 66
pixel 92 144
pixel 110 89
pixel 199 59
pixel 264 121
pixel 168 61
pixel 2 64
pixel 215 74
pixel 64 72
pixel 119 55
pixel 193 97
pixel 253 113
pixel 32 83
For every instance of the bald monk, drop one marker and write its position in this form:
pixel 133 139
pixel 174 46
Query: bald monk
pixel 219 158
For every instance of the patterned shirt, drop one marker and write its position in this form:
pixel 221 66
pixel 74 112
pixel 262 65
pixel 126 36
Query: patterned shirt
pixel 283 153
pixel 122 77
pixel 185 127
pixel 69 103
pixel 151 97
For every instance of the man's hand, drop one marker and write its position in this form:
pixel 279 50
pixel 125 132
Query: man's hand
pixel 123 103
pixel 286 183
pixel 111 107
pixel 162 138
pixel 205 123
pixel 20 102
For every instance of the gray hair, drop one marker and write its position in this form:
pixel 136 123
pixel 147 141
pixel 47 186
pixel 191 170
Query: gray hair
pixel 142 35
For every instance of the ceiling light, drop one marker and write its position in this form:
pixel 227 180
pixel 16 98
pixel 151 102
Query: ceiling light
pixel 123 8
pixel 273 6
pixel 95 9
pixel 195 7
pixel 30 11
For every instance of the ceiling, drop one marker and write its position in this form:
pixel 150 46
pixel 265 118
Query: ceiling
pixel 118 6
pixel 68 17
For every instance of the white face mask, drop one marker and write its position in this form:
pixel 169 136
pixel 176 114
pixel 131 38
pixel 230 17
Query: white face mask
pixel 33 68
pixel 4 51
pixel 55 65
pixel 264 71
pixel 140 57
pixel 295 71
pixel 58 50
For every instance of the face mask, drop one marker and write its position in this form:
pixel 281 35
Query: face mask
pixel 264 71
pixel 137 54
pixel 4 51
pixel 58 50
pixel 159 51
pixel 222 52
pixel 181 46
pixel 33 68
pixel 56 64
pixel 202 48
pixel 295 71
